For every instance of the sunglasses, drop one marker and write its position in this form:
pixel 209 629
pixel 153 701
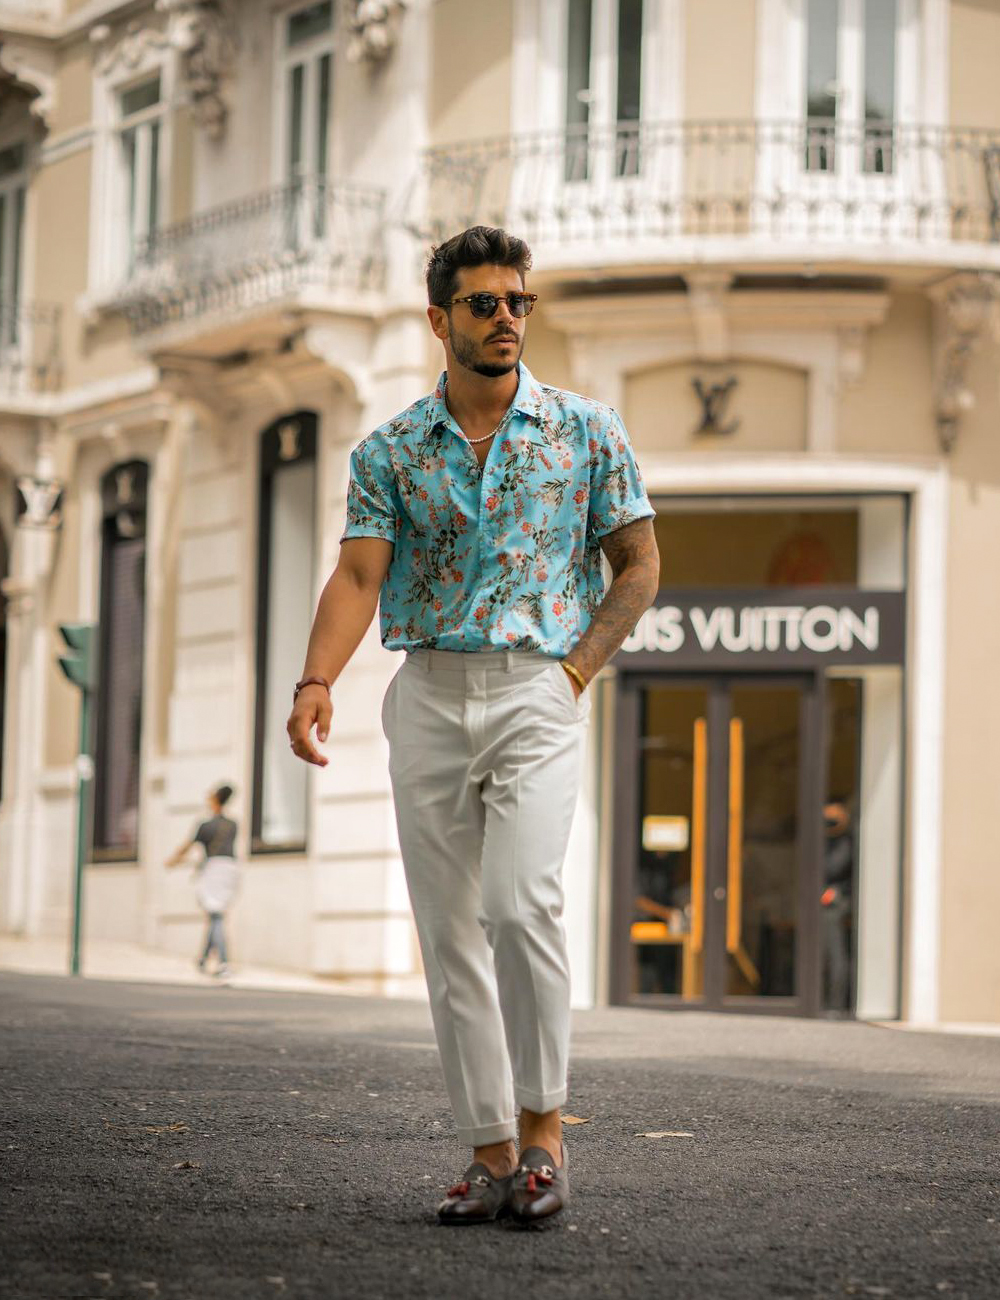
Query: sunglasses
pixel 484 305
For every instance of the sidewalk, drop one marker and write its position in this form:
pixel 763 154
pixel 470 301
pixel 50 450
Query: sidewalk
pixel 134 964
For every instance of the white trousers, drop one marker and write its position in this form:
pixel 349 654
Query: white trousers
pixel 485 757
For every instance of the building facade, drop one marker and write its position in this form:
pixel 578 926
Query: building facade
pixel 777 254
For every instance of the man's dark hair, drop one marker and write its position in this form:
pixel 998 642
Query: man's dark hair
pixel 224 794
pixel 477 246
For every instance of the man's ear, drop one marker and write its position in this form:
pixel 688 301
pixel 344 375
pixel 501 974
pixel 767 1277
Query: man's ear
pixel 440 324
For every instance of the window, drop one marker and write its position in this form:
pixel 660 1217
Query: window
pixel 122 639
pixel 140 128
pixel 603 83
pixel 12 189
pixel 850 91
pixel 287 525
pixel 307 72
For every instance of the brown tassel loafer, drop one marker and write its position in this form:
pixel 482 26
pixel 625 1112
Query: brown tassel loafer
pixel 541 1188
pixel 480 1197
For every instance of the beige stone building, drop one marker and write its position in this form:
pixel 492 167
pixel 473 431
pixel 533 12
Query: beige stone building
pixel 767 231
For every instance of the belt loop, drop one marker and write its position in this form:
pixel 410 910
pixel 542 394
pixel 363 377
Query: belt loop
pixel 508 661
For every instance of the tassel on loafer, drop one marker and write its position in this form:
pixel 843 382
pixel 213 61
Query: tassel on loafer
pixel 541 1188
pixel 480 1197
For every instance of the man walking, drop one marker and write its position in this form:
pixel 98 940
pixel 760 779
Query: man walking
pixel 478 517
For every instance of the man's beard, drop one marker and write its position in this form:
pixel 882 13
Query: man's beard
pixel 466 353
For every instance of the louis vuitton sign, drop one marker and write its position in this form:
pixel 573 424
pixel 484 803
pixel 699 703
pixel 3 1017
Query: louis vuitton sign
pixel 776 628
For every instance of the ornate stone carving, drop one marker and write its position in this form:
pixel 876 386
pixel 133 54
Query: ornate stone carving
pixel 966 304
pixel 31 64
pixel 136 45
pixel 39 502
pixel 202 32
pixel 374 29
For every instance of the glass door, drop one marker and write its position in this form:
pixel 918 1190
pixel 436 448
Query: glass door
pixel 725 842
pixel 667 926
pixel 764 843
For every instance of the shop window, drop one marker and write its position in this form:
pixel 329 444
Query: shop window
pixel 842 542
pixel 122 638
pixel 287 525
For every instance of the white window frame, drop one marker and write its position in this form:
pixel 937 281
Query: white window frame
pixel 14 341
pixel 920 99
pixel 308 52
pixel 140 223
pixel 538 96
pixel 111 239
pixel 538 100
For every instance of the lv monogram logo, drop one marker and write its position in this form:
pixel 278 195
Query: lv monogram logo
pixel 714 401
pixel 40 502
pixel 288 441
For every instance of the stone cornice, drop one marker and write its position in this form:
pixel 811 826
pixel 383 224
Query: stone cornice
pixel 747 309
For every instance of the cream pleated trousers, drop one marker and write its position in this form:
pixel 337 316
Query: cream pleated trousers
pixel 485 757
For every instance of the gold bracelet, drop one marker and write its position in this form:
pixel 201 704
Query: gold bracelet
pixel 575 673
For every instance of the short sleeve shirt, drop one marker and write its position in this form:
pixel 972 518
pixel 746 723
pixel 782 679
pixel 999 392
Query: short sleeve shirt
pixel 506 556
pixel 217 836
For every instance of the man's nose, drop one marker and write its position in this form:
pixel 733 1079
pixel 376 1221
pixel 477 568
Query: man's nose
pixel 503 314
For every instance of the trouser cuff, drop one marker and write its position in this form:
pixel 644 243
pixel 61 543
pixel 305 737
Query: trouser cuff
pixel 503 1131
pixel 540 1102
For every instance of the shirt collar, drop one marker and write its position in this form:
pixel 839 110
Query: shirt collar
pixel 529 399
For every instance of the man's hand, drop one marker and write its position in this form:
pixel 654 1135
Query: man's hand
pixel 312 709
pixel 346 608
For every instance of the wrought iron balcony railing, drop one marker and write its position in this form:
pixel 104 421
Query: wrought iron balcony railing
pixel 29 348
pixel 811 180
pixel 240 255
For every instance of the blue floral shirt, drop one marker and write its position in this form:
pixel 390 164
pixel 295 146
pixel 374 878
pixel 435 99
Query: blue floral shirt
pixel 502 557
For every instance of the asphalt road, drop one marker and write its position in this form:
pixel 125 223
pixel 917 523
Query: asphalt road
pixel 163 1143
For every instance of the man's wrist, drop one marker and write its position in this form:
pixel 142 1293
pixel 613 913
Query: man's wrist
pixel 574 674
pixel 311 680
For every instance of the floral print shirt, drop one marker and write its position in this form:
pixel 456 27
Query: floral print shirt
pixel 500 557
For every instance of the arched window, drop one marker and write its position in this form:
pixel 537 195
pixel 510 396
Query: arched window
pixel 122 636
pixel 287 527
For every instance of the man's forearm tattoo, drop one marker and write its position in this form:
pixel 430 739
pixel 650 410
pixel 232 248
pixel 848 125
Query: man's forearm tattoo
pixel 635 563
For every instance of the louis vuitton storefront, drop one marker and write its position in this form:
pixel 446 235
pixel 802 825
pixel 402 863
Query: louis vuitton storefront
pixel 758 737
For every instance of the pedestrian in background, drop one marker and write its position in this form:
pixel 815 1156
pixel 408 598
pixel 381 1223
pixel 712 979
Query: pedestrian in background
pixel 217 874
pixel 479 516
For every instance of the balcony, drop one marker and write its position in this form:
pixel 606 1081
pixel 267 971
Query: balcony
pixel 29 351
pixel 773 192
pixel 307 244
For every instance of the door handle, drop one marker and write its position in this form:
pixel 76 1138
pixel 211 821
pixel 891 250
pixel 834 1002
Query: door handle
pixel 734 863
pixel 699 808
pixel 734 857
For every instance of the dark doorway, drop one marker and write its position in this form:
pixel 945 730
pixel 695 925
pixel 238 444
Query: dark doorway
pixel 719 836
